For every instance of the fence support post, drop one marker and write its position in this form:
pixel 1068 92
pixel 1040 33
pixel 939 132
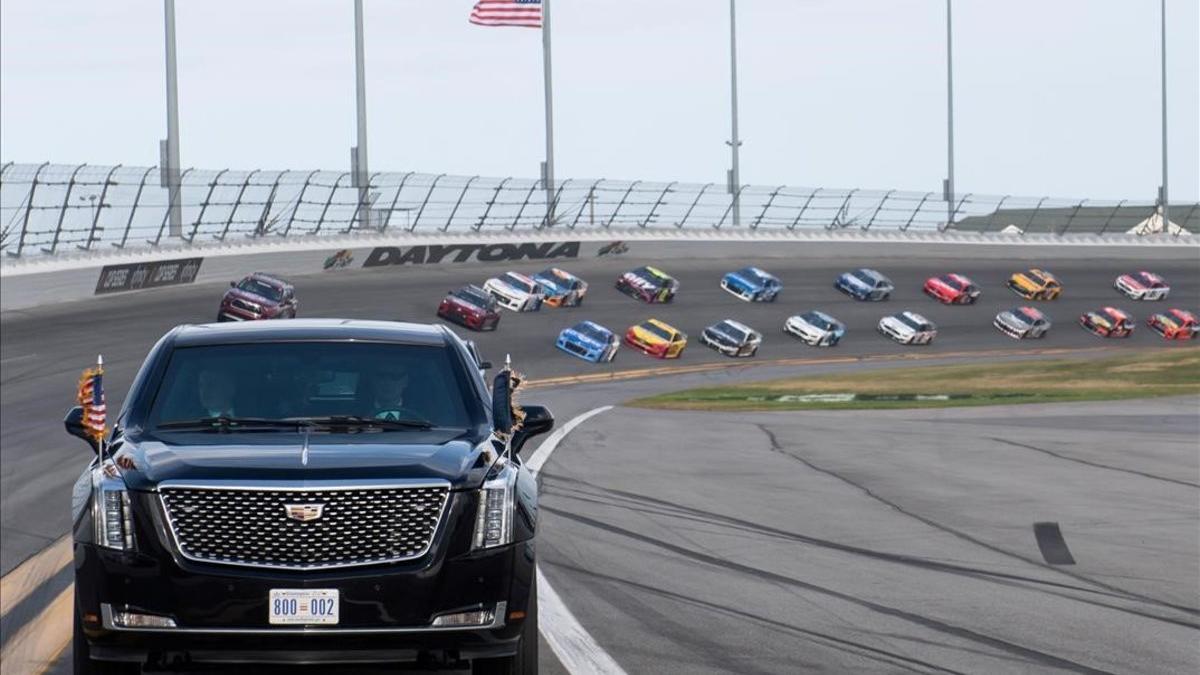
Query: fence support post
pixel 995 212
pixel 363 201
pixel 457 203
pixel 1033 215
pixel 260 226
pixel 837 217
pixel 520 211
pixel 613 216
pixel 167 213
pixel 558 192
pixel 92 238
pixel 204 207
pixel 428 194
pixel 589 202
pixel 877 210
pixel 495 196
pixel 1112 214
pixel 766 207
pixel 391 209
pixel 28 208
pixel 957 208
pixel 299 202
pixel 1070 218
pixel 662 196
pixel 137 200
pixel 804 208
pixel 688 214
pixel 1186 219
pixel 63 211
pixel 237 202
pixel 329 202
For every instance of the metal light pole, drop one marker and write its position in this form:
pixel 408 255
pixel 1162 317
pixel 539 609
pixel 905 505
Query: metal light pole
pixel 169 148
pixel 358 154
pixel 948 188
pixel 734 172
pixel 1163 198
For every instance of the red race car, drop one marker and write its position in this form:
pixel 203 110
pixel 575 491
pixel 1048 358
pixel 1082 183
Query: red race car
pixel 470 306
pixel 1175 324
pixel 1107 322
pixel 952 289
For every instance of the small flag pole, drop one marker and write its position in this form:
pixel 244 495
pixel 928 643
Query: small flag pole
pixel 548 88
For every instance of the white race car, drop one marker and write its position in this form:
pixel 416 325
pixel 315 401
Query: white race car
pixel 908 328
pixel 515 291
pixel 1142 286
pixel 815 328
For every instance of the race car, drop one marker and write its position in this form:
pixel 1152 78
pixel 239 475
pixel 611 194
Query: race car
pixel 752 285
pixel 1022 322
pixel 470 306
pixel 1107 322
pixel 258 296
pixel 657 339
pixel 815 328
pixel 1035 284
pixel 732 338
pixel 908 328
pixel 560 288
pixel 1142 286
pixel 865 284
pixel 648 284
pixel 515 291
pixel 1175 324
pixel 952 289
pixel 589 341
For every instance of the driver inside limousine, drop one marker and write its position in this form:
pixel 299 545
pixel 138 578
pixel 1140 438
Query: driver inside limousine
pixel 388 389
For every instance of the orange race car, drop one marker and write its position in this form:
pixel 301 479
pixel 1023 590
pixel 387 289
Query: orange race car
pixel 1175 324
pixel 656 338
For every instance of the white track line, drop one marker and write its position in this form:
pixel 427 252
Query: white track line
pixel 538 458
pixel 577 650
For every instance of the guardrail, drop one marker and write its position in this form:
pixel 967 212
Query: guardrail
pixel 51 208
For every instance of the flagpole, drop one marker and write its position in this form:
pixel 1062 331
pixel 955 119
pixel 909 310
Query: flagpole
pixel 547 87
pixel 1164 198
pixel 735 180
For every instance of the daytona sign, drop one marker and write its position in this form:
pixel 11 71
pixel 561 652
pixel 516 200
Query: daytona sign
pixel 382 256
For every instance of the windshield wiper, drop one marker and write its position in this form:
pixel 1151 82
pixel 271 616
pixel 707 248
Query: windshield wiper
pixel 368 422
pixel 223 423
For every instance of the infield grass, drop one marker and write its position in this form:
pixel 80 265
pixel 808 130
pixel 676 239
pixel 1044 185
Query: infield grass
pixel 1151 373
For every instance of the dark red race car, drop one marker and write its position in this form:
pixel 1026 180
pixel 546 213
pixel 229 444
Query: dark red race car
pixel 952 289
pixel 258 296
pixel 470 306
pixel 1107 322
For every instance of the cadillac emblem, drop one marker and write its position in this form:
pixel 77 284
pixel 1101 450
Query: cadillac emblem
pixel 303 512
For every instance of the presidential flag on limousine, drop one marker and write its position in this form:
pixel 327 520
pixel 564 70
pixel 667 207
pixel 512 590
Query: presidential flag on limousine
pixel 91 397
pixel 526 13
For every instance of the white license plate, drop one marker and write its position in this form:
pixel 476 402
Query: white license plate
pixel 303 606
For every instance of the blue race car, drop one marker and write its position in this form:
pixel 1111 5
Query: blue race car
pixel 752 285
pixel 865 284
pixel 589 341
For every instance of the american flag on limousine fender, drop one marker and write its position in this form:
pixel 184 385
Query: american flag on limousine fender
pixel 526 13
pixel 91 397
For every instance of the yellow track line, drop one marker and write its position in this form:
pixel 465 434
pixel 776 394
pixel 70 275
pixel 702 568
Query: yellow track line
pixel 613 376
pixel 36 647
pixel 19 583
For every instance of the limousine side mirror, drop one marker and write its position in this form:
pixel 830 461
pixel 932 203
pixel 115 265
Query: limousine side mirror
pixel 538 420
pixel 74 425
pixel 232 284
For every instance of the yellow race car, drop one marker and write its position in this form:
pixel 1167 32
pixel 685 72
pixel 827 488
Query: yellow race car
pixel 1035 284
pixel 657 339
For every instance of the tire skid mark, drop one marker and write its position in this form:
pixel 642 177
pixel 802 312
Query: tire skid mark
pixel 1097 465
pixel 931 623
pixel 636 502
pixel 775 445
pixel 832 641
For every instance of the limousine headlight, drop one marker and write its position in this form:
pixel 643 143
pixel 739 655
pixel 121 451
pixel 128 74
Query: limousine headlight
pixel 110 508
pixel 494 518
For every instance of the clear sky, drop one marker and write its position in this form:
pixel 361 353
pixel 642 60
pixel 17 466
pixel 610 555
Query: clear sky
pixel 1053 97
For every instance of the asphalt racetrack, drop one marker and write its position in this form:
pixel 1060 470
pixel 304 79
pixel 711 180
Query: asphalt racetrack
pixel 894 541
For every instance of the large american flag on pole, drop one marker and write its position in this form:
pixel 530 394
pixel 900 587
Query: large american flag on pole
pixel 526 13
pixel 91 397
